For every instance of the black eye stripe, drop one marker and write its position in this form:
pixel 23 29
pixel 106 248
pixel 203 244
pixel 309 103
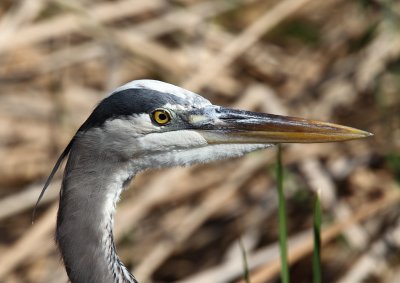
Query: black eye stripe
pixel 129 102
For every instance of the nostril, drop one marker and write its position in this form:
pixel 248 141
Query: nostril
pixel 228 116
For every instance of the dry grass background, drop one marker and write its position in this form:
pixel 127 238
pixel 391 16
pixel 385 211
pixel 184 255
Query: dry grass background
pixel 332 60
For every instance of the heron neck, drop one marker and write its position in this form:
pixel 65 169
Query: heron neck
pixel 85 220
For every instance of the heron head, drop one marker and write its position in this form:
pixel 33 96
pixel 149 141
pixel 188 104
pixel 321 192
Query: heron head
pixel 147 124
pixel 163 125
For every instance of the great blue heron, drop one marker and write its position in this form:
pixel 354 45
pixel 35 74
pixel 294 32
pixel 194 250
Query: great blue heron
pixel 151 124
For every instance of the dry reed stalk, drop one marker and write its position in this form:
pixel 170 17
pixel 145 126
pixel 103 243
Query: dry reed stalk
pixel 188 18
pixel 375 261
pixel 242 42
pixel 19 202
pixel 188 225
pixel 66 24
pixel 28 243
pixel 233 266
pixel 269 271
pixel 23 13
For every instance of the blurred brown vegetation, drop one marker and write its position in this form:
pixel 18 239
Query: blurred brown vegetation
pixel 331 60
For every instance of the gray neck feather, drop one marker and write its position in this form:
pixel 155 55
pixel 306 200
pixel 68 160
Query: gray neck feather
pixel 90 190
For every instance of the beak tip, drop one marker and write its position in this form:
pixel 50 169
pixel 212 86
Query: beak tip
pixel 365 134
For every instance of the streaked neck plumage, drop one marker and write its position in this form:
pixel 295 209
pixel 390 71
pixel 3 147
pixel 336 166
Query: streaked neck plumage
pixel 91 187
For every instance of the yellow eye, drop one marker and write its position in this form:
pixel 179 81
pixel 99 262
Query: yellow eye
pixel 161 116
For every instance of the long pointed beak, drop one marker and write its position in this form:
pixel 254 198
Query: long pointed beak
pixel 237 126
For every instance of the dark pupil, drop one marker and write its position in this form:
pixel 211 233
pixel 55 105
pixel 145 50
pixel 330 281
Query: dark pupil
pixel 162 116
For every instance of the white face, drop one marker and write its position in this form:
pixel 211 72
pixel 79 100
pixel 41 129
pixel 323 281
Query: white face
pixel 139 138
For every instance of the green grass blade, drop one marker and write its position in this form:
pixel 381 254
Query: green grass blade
pixel 246 274
pixel 282 220
pixel 317 241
